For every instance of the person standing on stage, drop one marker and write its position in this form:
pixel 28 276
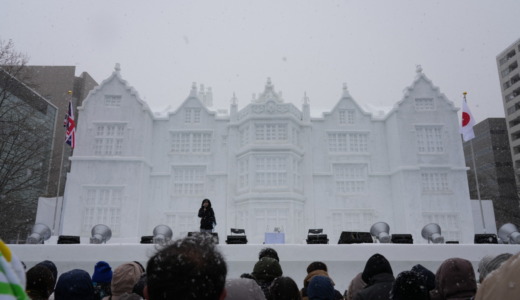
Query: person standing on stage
pixel 207 216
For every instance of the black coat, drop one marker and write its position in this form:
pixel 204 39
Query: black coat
pixel 380 287
pixel 207 216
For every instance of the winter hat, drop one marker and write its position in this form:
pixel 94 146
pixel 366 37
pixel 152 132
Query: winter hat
pixel 321 288
pixel 408 286
pixel 376 264
pixel 316 265
pixel 124 278
pixel 267 269
pixel 269 252
pixel 243 288
pixel 40 282
pixel 52 267
pixel 75 284
pixel 456 278
pixel 102 272
pixel 493 264
pixel 12 275
pixel 427 276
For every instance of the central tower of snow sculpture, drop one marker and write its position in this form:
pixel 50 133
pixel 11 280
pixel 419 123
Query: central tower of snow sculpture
pixel 267 165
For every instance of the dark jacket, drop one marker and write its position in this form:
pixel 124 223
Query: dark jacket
pixel 208 220
pixel 409 286
pixel 379 277
pixel 380 287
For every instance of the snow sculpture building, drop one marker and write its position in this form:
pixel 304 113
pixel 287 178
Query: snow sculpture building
pixel 268 165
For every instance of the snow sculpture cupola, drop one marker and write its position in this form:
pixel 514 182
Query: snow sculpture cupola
pixel 269 94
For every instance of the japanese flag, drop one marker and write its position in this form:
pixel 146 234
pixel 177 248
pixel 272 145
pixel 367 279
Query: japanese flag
pixel 467 123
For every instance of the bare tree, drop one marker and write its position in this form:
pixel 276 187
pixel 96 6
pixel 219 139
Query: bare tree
pixel 26 127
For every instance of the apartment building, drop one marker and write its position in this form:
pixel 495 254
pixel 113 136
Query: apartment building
pixel 509 75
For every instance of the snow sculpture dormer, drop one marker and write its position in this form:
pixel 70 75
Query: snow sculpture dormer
pixel 269 94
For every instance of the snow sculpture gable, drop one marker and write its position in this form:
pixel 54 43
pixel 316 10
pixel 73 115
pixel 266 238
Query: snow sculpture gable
pixel 347 111
pixel 423 96
pixel 112 89
pixel 193 110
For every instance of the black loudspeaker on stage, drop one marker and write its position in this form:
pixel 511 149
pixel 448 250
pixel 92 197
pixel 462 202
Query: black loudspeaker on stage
pixel 485 238
pixel 402 238
pixel 147 239
pixel 355 237
pixel 68 239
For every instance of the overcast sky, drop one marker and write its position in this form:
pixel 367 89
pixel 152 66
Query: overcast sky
pixel 304 46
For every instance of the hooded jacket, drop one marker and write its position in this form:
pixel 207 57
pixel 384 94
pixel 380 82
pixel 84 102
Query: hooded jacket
pixel 379 277
pixel 455 279
pixel 124 278
pixel 75 284
pixel 40 282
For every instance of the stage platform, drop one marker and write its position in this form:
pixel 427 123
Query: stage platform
pixel 344 261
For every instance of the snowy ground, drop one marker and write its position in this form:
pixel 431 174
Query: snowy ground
pixel 343 261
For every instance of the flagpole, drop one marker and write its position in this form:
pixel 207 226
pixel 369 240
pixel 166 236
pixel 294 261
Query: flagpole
pixel 58 188
pixel 59 178
pixel 476 178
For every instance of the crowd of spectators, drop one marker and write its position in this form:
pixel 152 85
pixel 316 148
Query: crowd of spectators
pixel 193 268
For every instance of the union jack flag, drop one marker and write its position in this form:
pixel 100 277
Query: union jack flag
pixel 70 127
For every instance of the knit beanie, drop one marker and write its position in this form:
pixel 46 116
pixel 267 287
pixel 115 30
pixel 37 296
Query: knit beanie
pixel 408 286
pixel 267 269
pixel 12 275
pixel 376 264
pixel 320 288
pixel 102 272
pixel 427 276
pixel 493 264
pixel 75 284
pixel 40 282
pixel 52 267
pixel 124 278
